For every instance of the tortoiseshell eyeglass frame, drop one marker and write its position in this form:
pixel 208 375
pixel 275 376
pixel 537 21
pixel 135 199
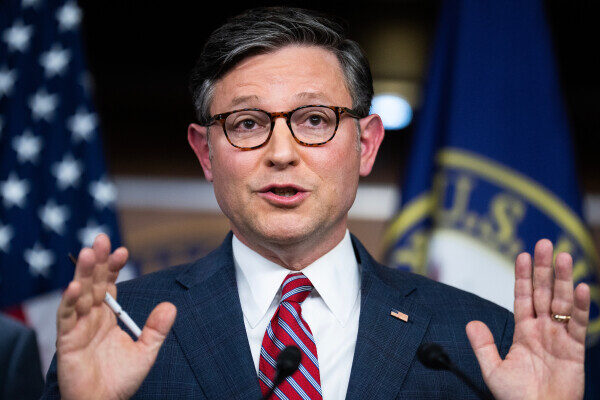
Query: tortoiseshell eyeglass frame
pixel 339 111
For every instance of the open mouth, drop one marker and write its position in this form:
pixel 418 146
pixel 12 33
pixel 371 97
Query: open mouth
pixel 284 195
pixel 283 191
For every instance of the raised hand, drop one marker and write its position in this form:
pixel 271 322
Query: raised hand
pixel 96 359
pixel 546 358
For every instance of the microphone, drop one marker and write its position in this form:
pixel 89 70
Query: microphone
pixel 432 356
pixel 288 362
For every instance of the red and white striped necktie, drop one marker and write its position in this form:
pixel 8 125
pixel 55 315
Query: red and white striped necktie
pixel 287 327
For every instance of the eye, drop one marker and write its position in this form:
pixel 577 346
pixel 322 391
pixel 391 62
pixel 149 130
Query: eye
pixel 315 120
pixel 247 124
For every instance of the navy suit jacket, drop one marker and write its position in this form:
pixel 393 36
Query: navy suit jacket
pixel 207 356
pixel 20 370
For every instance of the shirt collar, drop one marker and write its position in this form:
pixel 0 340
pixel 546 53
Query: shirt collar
pixel 335 277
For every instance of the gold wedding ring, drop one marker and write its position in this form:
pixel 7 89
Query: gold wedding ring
pixel 561 318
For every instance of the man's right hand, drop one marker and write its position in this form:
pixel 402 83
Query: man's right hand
pixel 96 359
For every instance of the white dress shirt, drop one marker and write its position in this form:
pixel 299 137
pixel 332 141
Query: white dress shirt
pixel 331 310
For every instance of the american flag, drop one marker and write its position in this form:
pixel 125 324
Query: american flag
pixel 55 196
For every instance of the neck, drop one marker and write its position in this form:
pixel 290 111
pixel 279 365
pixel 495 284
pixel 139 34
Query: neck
pixel 294 255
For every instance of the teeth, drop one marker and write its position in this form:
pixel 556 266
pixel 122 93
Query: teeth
pixel 285 192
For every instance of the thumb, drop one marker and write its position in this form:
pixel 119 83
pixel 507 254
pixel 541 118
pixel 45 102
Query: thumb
pixel 157 327
pixel 483 345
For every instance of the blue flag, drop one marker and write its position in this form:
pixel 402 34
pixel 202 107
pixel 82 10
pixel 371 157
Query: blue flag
pixel 55 196
pixel 491 168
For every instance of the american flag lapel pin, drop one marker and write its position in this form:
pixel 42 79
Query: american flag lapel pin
pixel 399 315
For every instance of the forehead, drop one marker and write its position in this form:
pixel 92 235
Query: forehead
pixel 289 77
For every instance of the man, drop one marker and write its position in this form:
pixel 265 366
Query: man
pixel 20 370
pixel 284 134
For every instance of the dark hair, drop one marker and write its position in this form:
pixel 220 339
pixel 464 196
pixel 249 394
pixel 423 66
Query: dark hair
pixel 262 30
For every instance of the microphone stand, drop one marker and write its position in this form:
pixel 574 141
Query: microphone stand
pixel 432 356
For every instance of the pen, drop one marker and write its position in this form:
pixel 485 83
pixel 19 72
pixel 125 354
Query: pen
pixel 116 308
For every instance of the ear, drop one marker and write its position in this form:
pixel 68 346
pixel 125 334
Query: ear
pixel 372 133
pixel 198 139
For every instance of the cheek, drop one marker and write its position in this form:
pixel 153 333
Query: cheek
pixel 231 164
pixel 338 170
pixel 231 173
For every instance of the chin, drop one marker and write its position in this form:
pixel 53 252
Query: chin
pixel 286 230
pixel 287 227
pixel 285 234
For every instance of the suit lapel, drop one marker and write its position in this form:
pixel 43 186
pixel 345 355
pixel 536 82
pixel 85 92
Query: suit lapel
pixel 386 346
pixel 210 328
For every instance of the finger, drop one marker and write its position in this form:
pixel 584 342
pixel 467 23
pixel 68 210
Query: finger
pixel 523 288
pixel 157 327
pixel 101 249
pixel 542 277
pixel 562 299
pixel 84 275
pixel 66 317
pixel 116 261
pixel 483 345
pixel 577 326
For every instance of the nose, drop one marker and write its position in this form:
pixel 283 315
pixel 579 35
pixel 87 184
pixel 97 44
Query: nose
pixel 281 151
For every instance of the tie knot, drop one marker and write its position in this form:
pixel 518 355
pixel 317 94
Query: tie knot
pixel 295 288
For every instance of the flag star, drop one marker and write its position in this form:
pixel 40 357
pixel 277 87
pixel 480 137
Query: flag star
pixel 7 81
pixel 27 147
pixel 54 216
pixel 43 105
pixel 69 16
pixel 39 259
pixel 6 235
pixel 55 60
pixel 103 192
pixel 67 172
pixel 82 125
pixel 13 191
pixel 88 234
pixel 17 37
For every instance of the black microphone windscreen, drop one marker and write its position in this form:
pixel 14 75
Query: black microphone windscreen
pixel 433 356
pixel 288 361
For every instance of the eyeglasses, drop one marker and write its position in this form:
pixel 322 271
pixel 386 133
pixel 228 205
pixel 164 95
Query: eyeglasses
pixel 251 128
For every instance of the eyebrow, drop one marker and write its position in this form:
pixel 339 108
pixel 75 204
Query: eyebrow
pixel 243 99
pixel 301 96
pixel 312 95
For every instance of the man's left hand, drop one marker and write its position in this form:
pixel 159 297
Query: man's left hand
pixel 546 358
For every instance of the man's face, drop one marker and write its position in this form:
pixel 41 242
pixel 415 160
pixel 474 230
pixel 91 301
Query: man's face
pixel 283 193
